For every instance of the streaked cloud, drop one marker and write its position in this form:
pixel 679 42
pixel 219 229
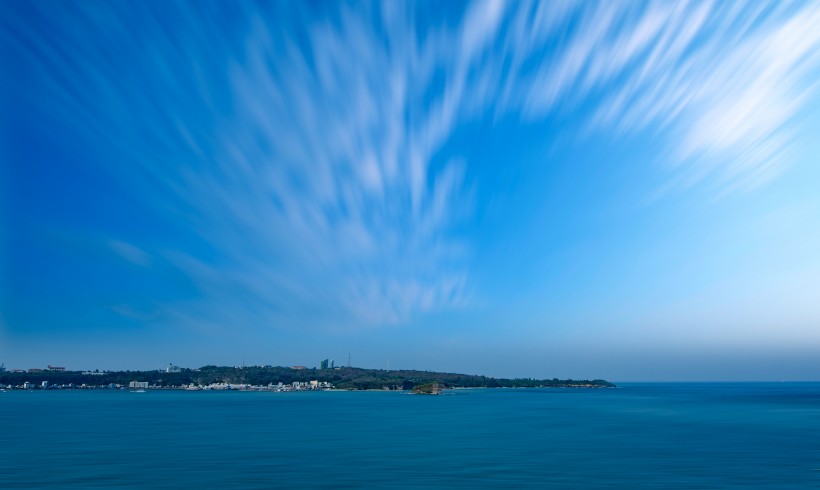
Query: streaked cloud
pixel 307 154
pixel 129 252
pixel 721 83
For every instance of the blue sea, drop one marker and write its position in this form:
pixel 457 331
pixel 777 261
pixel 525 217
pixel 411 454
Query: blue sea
pixel 715 435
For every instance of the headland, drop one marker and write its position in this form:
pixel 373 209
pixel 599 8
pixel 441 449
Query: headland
pixel 274 378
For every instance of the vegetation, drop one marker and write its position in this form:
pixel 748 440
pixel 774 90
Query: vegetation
pixel 343 378
pixel 427 389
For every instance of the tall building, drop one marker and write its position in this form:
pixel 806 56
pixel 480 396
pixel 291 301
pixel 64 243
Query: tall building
pixel 323 364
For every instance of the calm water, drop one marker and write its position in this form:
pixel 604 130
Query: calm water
pixel 640 435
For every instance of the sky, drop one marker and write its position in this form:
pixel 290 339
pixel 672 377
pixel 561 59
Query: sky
pixel 618 190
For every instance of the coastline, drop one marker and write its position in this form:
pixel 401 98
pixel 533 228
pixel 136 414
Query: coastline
pixel 272 378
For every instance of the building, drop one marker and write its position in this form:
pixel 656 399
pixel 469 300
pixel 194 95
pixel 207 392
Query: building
pixel 3 368
pixel 324 364
pixel 297 367
pixel 138 384
pixel 28 385
pixel 55 368
pixel 35 370
pixel 44 384
pixel 173 369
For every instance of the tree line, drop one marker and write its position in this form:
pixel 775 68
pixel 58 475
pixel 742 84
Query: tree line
pixel 343 378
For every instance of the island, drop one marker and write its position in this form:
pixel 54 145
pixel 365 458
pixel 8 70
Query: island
pixel 427 389
pixel 275 378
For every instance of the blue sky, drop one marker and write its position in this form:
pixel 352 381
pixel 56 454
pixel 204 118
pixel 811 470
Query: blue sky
pixel 623 190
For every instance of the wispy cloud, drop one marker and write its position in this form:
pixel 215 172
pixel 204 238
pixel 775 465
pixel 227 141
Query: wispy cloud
pixel 305 156
pixel 129 252
pixel 720 83
pixel 325 172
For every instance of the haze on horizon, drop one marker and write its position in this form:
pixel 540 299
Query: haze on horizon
pixel 618 190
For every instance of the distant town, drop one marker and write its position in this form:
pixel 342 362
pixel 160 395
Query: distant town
pixel 170 369
pixel 327 376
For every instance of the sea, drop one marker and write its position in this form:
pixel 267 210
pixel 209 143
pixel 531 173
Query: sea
pixel 639 435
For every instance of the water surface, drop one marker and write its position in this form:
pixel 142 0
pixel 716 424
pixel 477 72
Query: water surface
pixel 636 436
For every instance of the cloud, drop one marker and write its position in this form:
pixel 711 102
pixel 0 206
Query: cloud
pixel 721 84
pixel 130 252
pixel 298 148
pixel 320 195
pixel 329 195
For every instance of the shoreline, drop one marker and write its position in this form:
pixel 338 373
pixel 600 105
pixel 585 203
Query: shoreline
pixel 264 389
